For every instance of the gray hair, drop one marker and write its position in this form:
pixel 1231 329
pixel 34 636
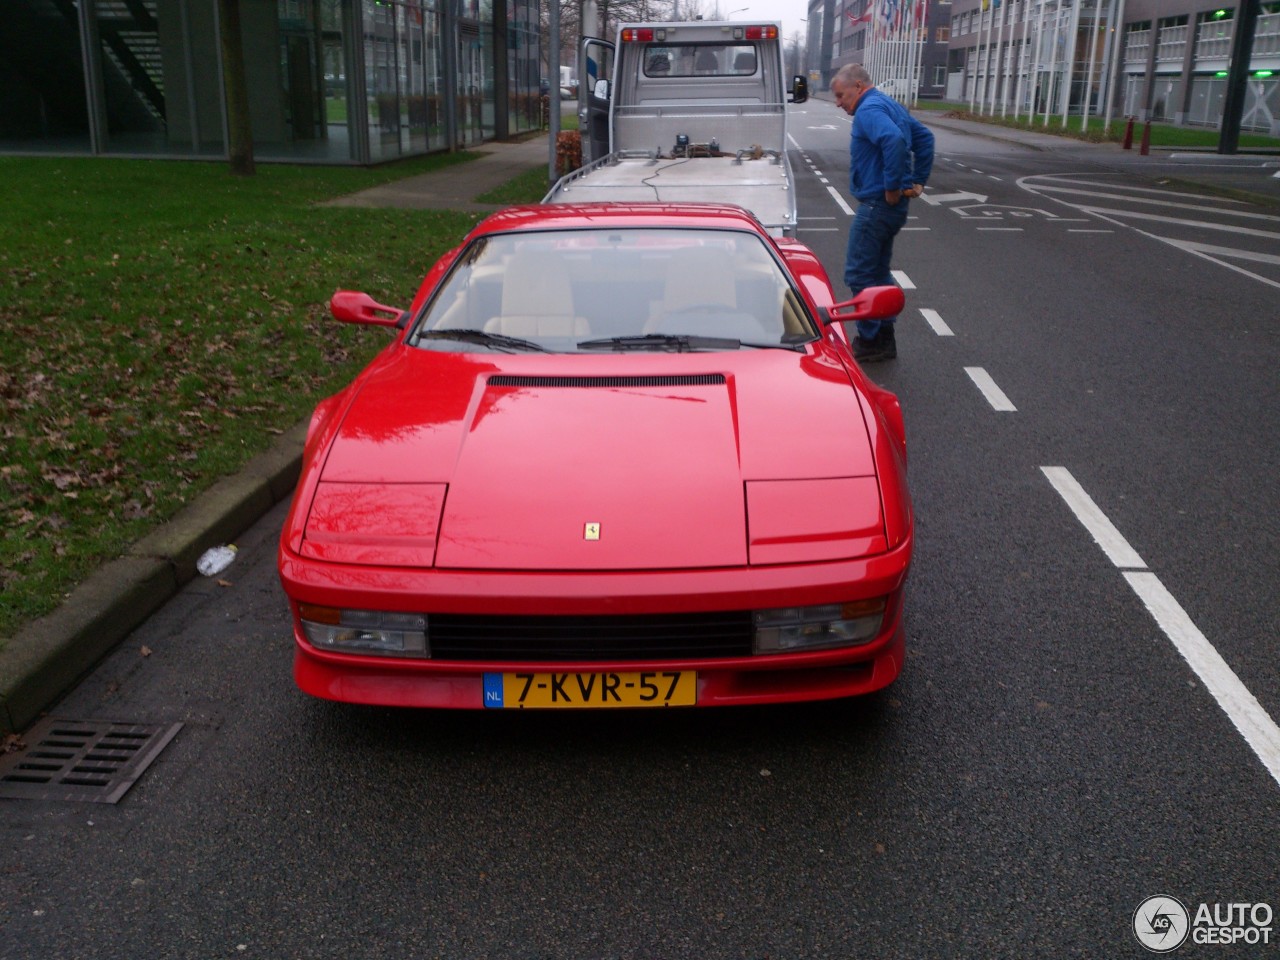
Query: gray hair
pixel 850 74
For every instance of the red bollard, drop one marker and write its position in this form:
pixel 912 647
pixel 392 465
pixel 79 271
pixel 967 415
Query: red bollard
pixel 1146 139
pixel 1128 134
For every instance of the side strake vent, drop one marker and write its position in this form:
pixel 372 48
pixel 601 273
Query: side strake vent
pixel 609 383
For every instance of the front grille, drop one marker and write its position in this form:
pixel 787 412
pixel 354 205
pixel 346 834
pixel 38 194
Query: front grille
pixel 694 636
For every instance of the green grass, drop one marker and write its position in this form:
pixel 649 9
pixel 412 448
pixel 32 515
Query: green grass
pixel 160 323
pixel 1096 131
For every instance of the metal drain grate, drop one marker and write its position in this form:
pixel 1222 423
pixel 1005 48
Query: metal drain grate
pixel 96 761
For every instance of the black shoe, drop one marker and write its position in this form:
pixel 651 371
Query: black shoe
pixel 883 347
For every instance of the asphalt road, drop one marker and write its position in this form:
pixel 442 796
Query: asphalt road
pixel 1047 762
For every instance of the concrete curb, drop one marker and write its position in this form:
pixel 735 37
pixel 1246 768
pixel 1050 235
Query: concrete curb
pixel 49 655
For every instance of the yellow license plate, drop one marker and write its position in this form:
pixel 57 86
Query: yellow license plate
pixel 662 688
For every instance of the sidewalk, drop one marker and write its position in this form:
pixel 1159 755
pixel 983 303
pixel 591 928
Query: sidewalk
pixel 457 186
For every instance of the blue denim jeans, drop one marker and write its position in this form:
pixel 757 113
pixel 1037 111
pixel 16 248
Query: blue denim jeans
pixel 866 263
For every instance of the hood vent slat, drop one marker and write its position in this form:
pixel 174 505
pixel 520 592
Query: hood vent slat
pixel 609 383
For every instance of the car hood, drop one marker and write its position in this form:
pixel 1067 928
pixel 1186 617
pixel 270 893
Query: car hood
pixel 649 461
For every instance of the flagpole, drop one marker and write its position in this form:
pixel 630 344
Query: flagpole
pixel 875 52
pixel 900 50
pixel 986 58
pixel 1053 62
pixel 873 42
pixel 1087 112
pixel 993 62
pixel 1115 35
pixel 1034 78
pixel 1023 50
pixel 1006 57
pixel 993 59
pixel 921 34
pixel 908 48
pixel 1015 62
pixel 977 61
pixel 1069 67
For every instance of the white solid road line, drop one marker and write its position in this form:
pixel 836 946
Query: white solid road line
pixel 902 280
pixel 1113 544
pixel 995 396
pixel 1241 707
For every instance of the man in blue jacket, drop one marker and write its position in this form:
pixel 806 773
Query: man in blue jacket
pixel 891 156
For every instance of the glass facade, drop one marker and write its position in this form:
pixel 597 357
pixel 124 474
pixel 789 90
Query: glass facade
pixel 524 94
pixel 329 81
pixel 43 101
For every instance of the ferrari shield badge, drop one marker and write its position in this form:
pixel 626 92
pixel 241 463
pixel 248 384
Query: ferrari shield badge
pixel 591 531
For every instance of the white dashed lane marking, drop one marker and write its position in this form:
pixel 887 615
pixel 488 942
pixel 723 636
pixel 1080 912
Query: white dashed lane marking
pixel 995 396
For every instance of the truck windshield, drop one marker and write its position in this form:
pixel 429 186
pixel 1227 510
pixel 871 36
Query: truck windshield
pixel 700 60
pixel 557 289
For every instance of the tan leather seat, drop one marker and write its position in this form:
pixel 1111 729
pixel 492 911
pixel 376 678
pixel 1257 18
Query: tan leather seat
pixel 537 299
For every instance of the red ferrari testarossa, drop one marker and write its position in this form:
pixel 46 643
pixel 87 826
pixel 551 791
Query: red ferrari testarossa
pixel 616 456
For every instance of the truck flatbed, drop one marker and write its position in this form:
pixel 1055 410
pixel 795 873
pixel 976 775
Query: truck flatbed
pixel 763 186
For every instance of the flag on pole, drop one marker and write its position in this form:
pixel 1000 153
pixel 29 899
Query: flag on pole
pixel 884 17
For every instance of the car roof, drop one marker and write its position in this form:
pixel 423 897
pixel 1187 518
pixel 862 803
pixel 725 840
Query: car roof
pixel 574 216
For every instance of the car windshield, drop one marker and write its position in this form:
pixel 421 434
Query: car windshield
pixel 594 290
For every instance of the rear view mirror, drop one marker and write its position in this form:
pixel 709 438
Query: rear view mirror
pixel 799 89
pixel 601 90
pixel 873 303
pixel 352 307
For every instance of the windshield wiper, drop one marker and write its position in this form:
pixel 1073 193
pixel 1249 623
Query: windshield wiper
pixel 676 342
pixel 496 340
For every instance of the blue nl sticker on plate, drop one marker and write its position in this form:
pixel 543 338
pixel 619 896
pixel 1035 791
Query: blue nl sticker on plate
pixel 493 690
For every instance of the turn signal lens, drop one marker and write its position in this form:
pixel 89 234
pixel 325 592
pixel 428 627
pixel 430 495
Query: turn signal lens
pixel 797 629
pixel 365 631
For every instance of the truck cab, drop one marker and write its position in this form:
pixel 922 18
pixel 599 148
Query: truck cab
pixel 657 70
pixel 704 91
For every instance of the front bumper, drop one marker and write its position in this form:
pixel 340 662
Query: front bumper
pixel 773 678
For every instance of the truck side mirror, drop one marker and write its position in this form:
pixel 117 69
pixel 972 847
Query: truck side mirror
pixel 799 89
pixel 601 90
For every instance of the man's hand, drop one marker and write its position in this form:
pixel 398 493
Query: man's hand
pixel 914 190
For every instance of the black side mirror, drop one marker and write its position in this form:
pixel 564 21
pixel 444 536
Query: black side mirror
pixel 799 89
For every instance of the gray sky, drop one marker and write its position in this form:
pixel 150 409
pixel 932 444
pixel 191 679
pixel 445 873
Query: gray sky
pixel 790 13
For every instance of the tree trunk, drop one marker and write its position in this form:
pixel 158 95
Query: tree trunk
pixel 236 89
